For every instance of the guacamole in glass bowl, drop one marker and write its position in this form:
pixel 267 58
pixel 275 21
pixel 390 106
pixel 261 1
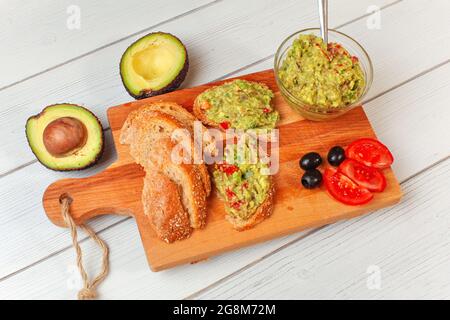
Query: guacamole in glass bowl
pixel 322 81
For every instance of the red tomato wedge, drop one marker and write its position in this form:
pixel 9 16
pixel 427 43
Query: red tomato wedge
pixel 370 152
pixel 345 190
pixel 367 177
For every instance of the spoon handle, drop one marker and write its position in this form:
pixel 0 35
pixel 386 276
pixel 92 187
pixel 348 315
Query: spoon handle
pixel 323 16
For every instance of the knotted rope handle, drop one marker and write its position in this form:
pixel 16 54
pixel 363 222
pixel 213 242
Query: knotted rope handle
pixel 88 292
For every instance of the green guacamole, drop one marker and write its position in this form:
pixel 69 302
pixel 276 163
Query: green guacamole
pixel 323 76
pixel 241 186
pixel 240 104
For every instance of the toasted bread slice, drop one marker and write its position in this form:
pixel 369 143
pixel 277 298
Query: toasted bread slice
pixel 199 109
pixel 163 115
pixel 162 204
pixel 161 124
pixel 173 109
pixel 234 108
pixel 244 186
pixel 205 141
pixel 151 145
pixel 263 212
pixel 242 194
pixel 186 176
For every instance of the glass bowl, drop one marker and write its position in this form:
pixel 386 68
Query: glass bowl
pixel 312 112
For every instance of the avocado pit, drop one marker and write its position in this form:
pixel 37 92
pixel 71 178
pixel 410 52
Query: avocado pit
pixel 64 136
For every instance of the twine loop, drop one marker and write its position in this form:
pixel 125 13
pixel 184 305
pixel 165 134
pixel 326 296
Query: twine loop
pixel 88 292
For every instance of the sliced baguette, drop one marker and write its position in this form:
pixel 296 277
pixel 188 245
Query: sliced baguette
pixel 205 141
pixel 162 204
pixel 162 116
pixel 149 137
pixel 173 109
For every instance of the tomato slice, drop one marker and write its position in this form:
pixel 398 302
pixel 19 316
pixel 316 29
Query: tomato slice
pixel 370 152
pixel 345 190
pixel 367 177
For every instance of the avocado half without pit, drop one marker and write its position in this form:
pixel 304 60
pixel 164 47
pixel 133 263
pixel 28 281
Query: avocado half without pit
pixel 65 137
pixel 155 64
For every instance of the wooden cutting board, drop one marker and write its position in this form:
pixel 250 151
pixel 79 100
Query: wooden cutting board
pixel 117 190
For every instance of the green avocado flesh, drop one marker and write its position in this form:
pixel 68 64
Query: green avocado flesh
pixel 240 104
pixel 155 64
pixel 85 154
pixel 321 76
pixel 242 185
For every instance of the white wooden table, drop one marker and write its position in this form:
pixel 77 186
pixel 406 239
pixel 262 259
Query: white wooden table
pixel 400 252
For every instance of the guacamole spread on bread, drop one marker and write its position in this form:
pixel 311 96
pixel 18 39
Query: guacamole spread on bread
pixel 323 76
pixel 240 104
pixel 242 185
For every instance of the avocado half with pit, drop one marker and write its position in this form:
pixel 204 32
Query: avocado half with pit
pixel 155 64
pixel 65 137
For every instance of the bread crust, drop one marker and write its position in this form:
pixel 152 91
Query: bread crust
pixel 199 110
pixel 162 204
pixel 158 157
pixel 148 132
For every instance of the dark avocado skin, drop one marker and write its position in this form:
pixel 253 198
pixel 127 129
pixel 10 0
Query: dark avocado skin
pixel 102 140
pixel 175 84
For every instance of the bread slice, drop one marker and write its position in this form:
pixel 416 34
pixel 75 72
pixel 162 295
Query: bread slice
pixel 206 142
pixel 162 204
pixel 200 109
pixel 149 136
pixel 201 106
pixel 186 176
pixel 263 212
pixel 173 109
pixel 166 117
pixel 241 183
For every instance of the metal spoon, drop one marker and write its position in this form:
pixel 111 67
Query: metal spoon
pixel 323 16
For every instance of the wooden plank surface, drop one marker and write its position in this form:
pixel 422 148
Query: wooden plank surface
pixel 49 258
pixel 41 35
pixel 130 273
pixel 94 81
pixel 405 248
pixel 130 278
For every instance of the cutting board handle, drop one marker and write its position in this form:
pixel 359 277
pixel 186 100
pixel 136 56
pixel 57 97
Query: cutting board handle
pixel 105 193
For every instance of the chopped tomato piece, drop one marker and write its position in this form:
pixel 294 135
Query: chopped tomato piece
pixel 236 205
pixel 345 190
pixel 224 125
pixel 367 177
pixel 370 152
pixel 230 193
pixel 266 110
pixel 229 169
